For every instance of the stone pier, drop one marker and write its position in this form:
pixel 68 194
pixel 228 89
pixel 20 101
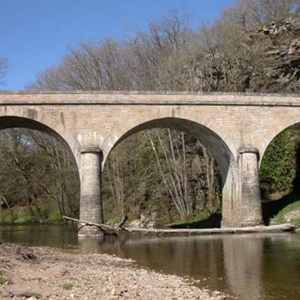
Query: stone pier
pixel 250 201
pixel 242 199
pixel 90 199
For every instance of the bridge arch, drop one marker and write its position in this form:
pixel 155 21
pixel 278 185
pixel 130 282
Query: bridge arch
pixel 40 120
pixel 210 139
pixel 17 122
pixel 275 128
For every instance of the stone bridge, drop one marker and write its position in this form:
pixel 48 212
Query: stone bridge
pixel 236 128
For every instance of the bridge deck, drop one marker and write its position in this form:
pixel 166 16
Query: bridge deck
pixel 146 98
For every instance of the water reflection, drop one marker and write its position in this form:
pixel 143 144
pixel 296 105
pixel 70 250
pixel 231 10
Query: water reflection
pixel 243 265
pixel 256 267
pixel 90 244
pixel 41 235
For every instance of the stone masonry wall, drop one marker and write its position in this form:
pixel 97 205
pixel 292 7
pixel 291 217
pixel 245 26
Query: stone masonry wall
pixel 225 123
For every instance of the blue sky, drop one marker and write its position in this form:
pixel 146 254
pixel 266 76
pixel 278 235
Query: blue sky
pixel 35 34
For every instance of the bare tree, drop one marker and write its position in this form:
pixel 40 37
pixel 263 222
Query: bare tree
pixel 37 172
pixel 250 13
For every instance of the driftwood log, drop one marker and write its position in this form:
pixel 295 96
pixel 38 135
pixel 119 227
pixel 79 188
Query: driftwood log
pixel 255 229
pixel 110 230
pixel 106 229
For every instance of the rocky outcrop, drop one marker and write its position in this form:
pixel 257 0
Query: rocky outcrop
pixel 143 222
pixel 279 43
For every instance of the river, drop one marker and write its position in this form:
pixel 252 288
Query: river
pixel 251 267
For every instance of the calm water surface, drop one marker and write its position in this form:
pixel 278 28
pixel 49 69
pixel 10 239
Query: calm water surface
pixel 251 267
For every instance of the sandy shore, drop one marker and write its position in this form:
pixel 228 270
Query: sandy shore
pixel 44 273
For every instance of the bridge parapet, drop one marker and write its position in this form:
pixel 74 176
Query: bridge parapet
pixel 146 98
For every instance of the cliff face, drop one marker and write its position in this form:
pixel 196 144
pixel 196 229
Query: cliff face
pixel 280 45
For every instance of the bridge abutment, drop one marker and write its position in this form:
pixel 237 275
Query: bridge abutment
pixel 90 198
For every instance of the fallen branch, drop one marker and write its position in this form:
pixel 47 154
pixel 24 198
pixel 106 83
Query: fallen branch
pixel 121 224
pixel 106 229
pixel 25 254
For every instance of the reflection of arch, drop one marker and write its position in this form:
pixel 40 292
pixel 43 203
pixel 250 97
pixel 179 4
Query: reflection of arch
pixel 212 141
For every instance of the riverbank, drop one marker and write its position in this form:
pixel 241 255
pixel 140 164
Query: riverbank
pixel 46 273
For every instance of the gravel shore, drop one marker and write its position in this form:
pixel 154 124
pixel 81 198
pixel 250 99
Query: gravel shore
pixel 44 273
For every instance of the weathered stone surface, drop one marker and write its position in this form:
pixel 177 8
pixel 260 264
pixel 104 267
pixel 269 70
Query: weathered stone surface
pixel 225 124
pixel 90 200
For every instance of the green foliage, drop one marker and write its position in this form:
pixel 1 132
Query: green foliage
pixel 21 216
pixel 279 218
pixel 198 217
pixel 54 218
pixel 4 280
pixel 67 286
pixel 24 218
pixel 297 222
pixel 278 167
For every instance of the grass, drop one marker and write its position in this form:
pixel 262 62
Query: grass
pixel 67 286
pixel 279 218
pixel 54 218
pixel 113 221
pixel 199 217
pixel 4 280
pixel 22 216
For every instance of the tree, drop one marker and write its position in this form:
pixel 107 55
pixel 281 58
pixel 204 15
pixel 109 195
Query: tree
pixel 160 172
pixel 251 13
pixel 43 171
pixel 278 167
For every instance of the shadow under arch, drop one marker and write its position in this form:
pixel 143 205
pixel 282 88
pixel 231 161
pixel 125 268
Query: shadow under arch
pixel 212 141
